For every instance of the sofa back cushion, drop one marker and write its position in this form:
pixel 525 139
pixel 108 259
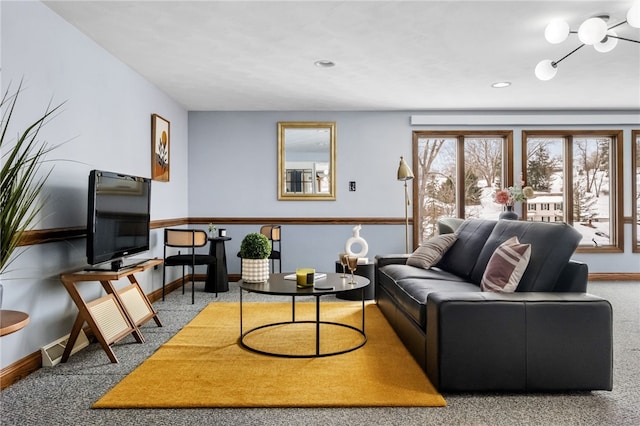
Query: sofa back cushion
pixel 552 245
pixel 470 239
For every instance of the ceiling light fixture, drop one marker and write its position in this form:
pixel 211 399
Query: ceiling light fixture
pixel 324 63
pixel 501 84
pixel 593 32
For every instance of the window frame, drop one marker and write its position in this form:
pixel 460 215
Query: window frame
pixel 635 217
pixel 616 181
pixel 460 135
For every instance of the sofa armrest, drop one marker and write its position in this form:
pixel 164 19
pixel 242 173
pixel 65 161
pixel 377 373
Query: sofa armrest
pixel 391 259
pixel 388 259
pixel 448 225
pixel 573 278
pixel 519 342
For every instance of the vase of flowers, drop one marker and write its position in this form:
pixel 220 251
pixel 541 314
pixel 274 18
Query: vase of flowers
pixel 212 230
pixel 508 197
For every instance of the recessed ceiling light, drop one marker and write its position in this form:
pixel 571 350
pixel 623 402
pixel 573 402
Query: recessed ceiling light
pixel 501 84
pixel 324 63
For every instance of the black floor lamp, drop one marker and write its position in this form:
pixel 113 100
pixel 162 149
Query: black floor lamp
pixel 405 174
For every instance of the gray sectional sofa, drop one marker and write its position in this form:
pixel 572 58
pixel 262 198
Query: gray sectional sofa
pixel 550 335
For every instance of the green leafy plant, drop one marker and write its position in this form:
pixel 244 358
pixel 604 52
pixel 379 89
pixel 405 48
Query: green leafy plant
pixel 255 246
pixel 21 175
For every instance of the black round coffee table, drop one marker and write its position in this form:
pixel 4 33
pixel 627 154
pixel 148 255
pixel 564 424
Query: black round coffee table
pixel 277 285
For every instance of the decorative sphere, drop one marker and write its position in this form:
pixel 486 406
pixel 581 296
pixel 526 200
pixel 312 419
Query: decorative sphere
pixel 557 31
pixel 633 16
pixel 608 44
pixel 546 70
pixel 592 31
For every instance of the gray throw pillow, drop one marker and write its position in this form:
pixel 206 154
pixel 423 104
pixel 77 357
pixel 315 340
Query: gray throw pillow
pixel 431 251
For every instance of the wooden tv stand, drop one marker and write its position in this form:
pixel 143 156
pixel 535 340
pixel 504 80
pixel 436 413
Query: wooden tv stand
pixel 115 315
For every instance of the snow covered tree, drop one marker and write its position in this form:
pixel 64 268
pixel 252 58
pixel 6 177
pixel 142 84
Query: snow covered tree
pixel 540 168
pixel 585 203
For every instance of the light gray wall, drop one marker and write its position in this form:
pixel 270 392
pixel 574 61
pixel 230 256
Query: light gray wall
pixel 232 173
pixel 233 164
pixel 105 124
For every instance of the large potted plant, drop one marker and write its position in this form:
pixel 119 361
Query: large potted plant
pixel 22 178
pixel 254 251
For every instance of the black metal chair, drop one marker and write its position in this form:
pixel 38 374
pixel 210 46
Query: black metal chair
pixel 187 239
pixel 272 232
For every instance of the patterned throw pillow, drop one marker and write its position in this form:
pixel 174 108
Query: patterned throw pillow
pixel 506 266
pixel 431 251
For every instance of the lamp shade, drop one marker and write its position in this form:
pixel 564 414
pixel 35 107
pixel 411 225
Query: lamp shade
pixel 546 69
pixel 404 172
pixel 592 31
pixel 633 15
pixel 608 44
pixel 557 31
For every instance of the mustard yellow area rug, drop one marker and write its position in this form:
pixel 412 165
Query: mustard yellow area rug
pixel 204 366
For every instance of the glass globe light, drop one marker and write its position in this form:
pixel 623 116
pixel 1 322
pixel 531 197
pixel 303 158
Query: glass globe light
pixel 608 44
pixel 592 31
pixel 633 15
pixel 546 69
pixel 557 31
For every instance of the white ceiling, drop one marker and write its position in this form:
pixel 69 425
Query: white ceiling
pixel 389 55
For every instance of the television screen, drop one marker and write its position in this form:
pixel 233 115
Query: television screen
pixel 118 217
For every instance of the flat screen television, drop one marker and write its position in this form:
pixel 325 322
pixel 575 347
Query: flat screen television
pixel 118 217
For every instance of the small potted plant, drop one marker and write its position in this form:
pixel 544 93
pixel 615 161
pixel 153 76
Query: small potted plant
pixel 254 251
pixel 212 230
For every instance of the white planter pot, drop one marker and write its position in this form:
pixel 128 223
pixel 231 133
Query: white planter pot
pixel 255 270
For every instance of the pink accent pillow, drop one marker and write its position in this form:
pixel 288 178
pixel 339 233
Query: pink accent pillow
pixel 506 267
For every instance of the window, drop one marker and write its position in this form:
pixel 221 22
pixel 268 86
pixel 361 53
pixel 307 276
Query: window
pixel 635 189
pixel 299 181
pixel 457 174
pixel 577 173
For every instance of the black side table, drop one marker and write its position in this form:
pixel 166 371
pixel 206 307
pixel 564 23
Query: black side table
pixel 217 280
pixel 367 270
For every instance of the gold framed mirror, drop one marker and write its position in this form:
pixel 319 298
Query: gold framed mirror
pixel 307 160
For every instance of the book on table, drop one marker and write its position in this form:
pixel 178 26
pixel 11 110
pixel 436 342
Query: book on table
pixel 316 276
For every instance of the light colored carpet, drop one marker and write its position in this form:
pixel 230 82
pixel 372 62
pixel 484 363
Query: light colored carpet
pixel 204 366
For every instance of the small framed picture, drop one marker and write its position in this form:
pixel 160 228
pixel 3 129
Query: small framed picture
pixel 160 140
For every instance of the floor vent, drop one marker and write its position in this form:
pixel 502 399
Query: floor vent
pixel 52 353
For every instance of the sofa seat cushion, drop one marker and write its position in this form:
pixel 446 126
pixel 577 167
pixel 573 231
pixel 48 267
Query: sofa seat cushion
pixel 409 286
pixel 401 272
